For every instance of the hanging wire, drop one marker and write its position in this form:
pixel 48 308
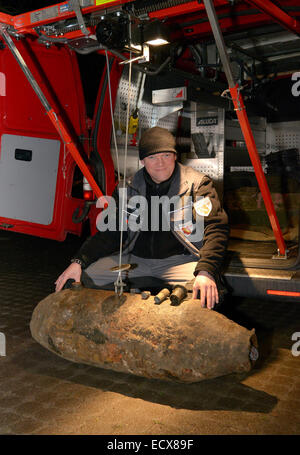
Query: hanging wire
pixel 112 116
pixel 125 152
pixel 119 114
pixel 119 283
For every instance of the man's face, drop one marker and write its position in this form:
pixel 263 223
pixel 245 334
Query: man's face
pixel 160 166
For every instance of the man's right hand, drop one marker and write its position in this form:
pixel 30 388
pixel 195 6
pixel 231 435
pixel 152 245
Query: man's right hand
pixel 73 272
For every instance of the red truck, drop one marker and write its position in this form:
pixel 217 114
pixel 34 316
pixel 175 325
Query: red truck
pixel 80 80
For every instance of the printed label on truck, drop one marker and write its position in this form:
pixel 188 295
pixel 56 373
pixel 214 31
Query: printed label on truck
pixel 207 121
pixel 65 8
pixel 41 15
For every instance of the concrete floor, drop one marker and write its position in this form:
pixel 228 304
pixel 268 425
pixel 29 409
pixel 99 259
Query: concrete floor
pixel 41 393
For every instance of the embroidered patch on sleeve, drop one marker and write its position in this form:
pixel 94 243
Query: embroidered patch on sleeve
pixel 203 207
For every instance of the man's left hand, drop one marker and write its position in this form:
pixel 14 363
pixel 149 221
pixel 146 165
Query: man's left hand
pixel 206 284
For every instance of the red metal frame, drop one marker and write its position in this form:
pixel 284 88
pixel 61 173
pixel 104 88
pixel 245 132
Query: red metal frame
pixel 254 156
pixel 26 22
pixel 6 19
pixel 244 124
pixel 231 19
pixel 60 11
pixel 277 14
pixel 185 8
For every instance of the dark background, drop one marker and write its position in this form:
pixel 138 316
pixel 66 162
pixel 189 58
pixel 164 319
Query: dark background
pixel 22 6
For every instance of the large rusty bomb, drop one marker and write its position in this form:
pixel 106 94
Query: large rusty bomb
pixel 185 343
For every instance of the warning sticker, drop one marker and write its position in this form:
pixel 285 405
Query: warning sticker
pixel 65 8
pixel 167 95
pixel 43 14
pixel 203 207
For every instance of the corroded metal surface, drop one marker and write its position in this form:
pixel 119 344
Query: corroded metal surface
pixel 184 343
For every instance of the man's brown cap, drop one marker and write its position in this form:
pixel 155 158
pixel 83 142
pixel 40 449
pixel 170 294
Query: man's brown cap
pixel 156 140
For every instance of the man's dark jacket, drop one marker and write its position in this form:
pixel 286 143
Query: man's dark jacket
pixel 184 181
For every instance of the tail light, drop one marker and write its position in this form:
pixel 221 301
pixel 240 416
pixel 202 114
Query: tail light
pixel 88 194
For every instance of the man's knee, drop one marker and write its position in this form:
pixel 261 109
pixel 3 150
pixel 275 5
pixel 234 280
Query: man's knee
pixel 87 281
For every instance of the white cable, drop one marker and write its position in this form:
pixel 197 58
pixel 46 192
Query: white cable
pixel 119 279
pixel 112 117
pixel 141 91
pixel 119 113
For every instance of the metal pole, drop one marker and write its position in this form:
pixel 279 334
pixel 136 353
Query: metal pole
pixel 213 20
pixel 53 116
pixel 245 126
